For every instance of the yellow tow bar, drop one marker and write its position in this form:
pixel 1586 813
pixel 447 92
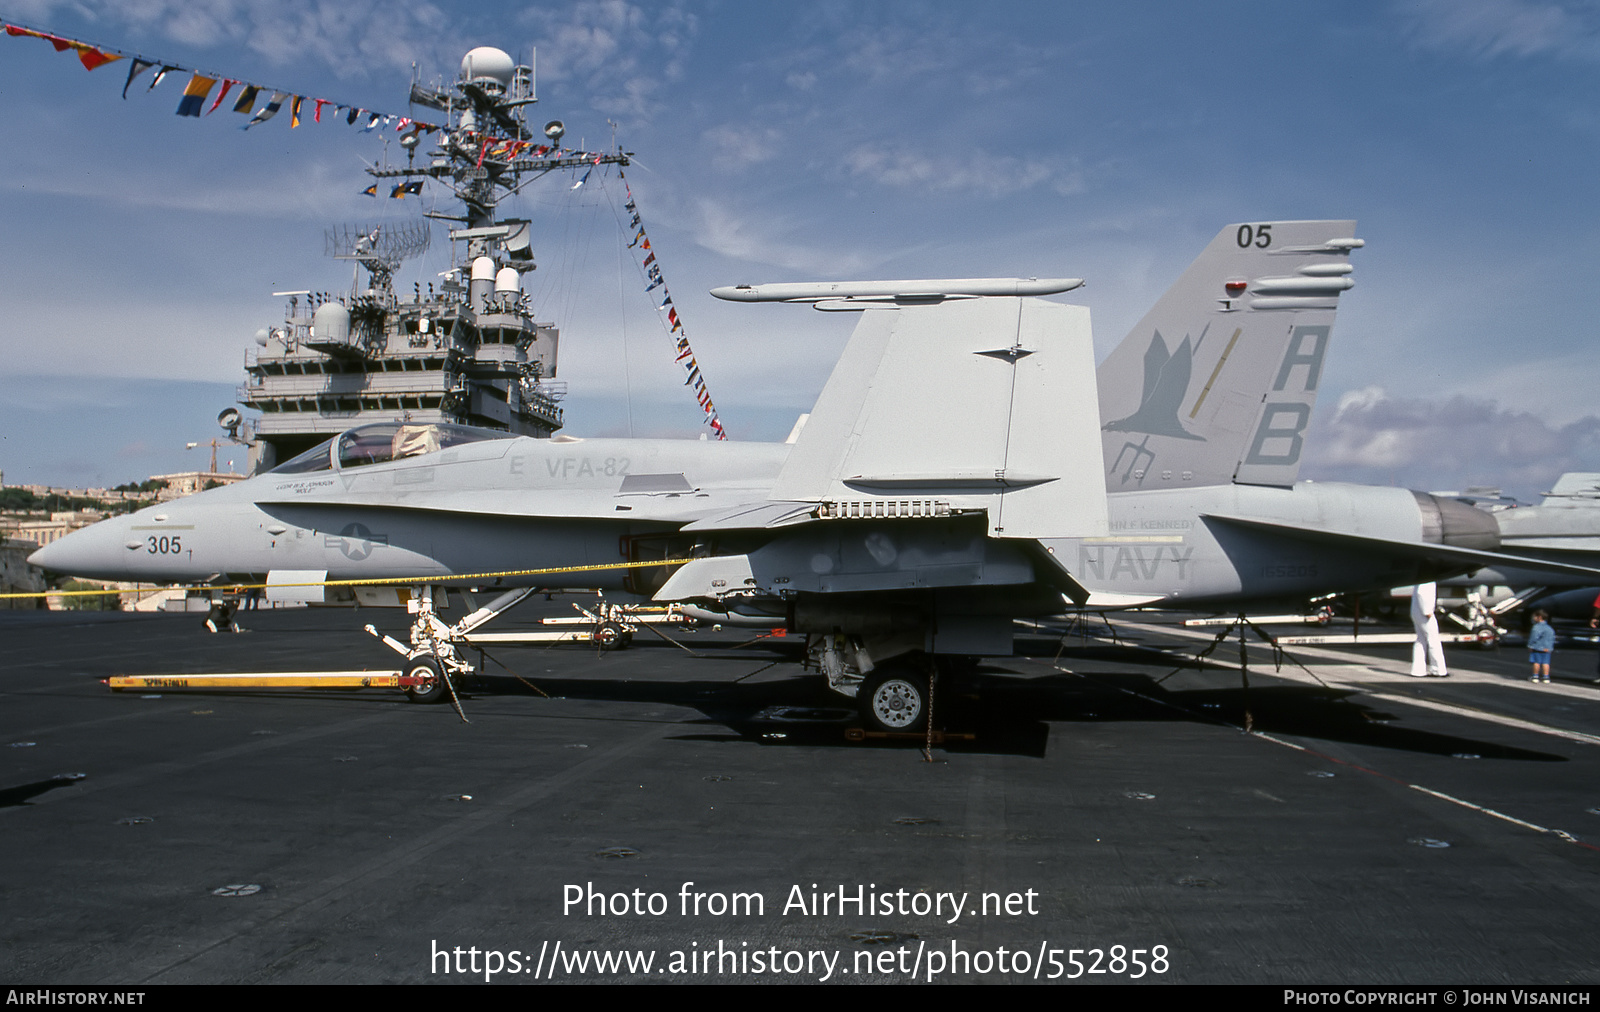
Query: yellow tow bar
pixel 267 680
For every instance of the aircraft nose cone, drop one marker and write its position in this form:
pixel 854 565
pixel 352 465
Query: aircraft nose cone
pixel 94 551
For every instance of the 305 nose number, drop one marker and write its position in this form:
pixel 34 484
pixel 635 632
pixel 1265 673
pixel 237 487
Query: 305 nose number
pixel 165 545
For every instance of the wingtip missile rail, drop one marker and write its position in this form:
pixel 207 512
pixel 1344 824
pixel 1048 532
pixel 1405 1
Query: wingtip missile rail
pixel 911 291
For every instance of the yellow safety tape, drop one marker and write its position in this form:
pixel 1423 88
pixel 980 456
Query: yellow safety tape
pixel 388 581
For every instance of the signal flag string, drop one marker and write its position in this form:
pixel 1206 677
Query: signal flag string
pixel 199 89
pixel 652 272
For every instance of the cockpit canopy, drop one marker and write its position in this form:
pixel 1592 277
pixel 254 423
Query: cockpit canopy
pixel 381 442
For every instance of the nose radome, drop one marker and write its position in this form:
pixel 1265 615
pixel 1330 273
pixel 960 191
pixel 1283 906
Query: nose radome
pixel 94 551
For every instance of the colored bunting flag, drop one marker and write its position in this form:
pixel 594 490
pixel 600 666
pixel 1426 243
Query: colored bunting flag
pixel 226 84
pixel 138 67
pixel 194 96
pixel 269 111
pixel 199 88
pixel 247 99
pixel 92 58
pixel 371 191
pixel 294 112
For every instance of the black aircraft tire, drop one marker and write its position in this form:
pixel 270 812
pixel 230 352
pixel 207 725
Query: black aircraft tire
pixel 610 636
pixel 895 700
pixel 435 690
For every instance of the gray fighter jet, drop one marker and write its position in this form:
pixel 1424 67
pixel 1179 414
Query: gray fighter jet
pixel 948 481
pixel 1564 527
pixel 890 506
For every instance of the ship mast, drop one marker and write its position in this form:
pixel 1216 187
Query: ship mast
pixel 469 352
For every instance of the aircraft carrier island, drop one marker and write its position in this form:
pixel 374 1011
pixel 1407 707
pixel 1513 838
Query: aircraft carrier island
pixel 367 355
pixel 465 350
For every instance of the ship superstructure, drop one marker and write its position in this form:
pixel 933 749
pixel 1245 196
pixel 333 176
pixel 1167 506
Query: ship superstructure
pixel 467 350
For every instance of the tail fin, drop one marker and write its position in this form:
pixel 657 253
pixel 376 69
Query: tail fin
pixel 961 404
pixel 1216 383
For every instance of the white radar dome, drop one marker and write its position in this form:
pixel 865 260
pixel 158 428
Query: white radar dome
pixel 506 280
pixel 482 269
pixel 488 65
pixel 331 322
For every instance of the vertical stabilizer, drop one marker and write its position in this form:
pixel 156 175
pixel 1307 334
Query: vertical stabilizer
pixel 975 404
pixel 1216 384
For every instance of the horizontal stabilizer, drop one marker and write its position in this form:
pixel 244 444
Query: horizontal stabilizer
pixel 1575 488
pixel 1448 556
pixel 1053 572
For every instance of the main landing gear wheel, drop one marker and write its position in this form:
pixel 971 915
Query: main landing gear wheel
pixel 610 636
pixel 433 688
pixel 894 700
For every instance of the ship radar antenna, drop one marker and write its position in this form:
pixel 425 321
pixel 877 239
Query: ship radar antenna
pixel 381 249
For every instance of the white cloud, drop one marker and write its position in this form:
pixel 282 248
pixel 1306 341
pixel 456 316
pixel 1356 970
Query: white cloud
pixel 734 147
pixel 722 230
pixel 992 175
pixel 1518 28
pixel 321 192
pixel 1450 443
pixel 619 53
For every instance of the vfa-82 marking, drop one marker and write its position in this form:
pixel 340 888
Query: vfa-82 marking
pixel 892 531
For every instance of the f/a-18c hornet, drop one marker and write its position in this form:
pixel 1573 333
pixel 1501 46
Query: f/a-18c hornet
pixel 948 481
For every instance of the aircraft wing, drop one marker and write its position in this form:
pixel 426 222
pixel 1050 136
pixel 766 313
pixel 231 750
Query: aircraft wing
pixel 1463 559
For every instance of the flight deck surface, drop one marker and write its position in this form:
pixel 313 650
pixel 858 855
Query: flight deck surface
pixel 1376 828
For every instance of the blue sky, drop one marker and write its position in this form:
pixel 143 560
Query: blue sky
pixel 792 142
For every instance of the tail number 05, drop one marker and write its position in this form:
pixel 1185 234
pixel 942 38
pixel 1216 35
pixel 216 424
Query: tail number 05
pixel 1259 236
